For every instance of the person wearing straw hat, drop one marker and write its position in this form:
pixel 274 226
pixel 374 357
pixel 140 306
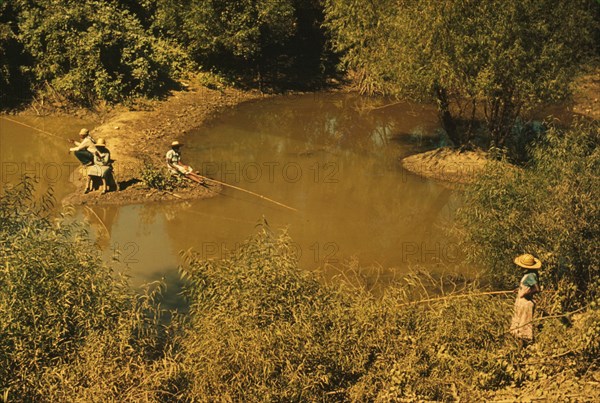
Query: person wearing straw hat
pixel 101 168
pixel 175 165
pixel 84 149
pixel 521 325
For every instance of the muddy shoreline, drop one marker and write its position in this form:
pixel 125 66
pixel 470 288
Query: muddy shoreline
pixel 453 168
pixel 142 134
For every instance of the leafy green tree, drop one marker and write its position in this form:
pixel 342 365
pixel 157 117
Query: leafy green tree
pixel 86 51
pixel 251 40
pixel 474 58
pixel 550 209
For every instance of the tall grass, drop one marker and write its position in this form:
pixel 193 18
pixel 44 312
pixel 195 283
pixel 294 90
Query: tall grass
pixel 551 209
pixel 69 325
pixel 259 329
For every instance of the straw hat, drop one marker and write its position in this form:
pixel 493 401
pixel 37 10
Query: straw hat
pixel 176 144
pixel 527 261
pixel 101 143
pixel 84 132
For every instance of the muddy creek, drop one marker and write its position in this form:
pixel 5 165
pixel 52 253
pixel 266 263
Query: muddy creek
pixel 333 157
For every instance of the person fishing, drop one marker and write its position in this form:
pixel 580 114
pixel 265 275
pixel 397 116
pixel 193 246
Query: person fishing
pixel 521 325
pixel 101 168
pixel 175 165
pixel 85 148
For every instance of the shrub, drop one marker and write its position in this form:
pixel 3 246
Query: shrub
pixel 93 50
pixel 160 178
pixel 70 327
pixel 262 329
pixel 550 209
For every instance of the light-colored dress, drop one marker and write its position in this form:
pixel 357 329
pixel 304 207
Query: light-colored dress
pixel 521 325
pixel 101 165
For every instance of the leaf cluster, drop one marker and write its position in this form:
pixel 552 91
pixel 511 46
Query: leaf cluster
pixel 160 178
pixel 70 327
pixel 548 208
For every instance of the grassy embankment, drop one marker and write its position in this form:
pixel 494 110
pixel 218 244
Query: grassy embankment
pixel 260 328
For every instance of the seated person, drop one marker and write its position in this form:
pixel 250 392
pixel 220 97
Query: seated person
pixel 175 165
pixel 174 160
pixel 85 148
pixel 101 168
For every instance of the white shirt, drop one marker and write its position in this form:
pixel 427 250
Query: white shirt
pixel 173 157
pixel 87 143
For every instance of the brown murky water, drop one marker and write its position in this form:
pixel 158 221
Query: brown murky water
pixel 331 156
pixel 41 156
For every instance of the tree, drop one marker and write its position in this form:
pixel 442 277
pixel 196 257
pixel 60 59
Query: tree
pixel 473 58
pixel 88 51
pixel 11 80
pixel 549 209
pixel 263 40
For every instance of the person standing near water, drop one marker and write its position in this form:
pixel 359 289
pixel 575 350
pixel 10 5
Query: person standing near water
pixel 521 325
pixel 84 149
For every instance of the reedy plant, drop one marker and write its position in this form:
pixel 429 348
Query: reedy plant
pixel 70 326
pixel 550 208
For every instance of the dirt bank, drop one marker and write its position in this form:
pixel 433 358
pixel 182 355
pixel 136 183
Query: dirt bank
pixel 457 167
pixel 447 165
pixel 144 133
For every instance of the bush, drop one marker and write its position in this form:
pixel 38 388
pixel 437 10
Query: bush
pixel 70 327
pixel 261 329
pixel 93 50
pixel 160 178
pixel 550 209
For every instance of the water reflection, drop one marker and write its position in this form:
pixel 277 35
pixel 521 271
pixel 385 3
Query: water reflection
pixel 44 157
pixel 334 157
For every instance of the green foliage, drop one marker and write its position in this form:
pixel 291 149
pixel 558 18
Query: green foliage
pixel 95 50
pixel 12 85
pixel 69 326
pixel 250 40
pixel 241 28
pixel 160 178
pixel 550 209
pixel 261 327
pixel 467 55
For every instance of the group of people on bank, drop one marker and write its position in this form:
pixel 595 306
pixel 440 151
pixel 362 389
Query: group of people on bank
pixel 96 160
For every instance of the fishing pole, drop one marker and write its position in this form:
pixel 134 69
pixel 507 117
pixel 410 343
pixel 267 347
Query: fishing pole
pixel 35 128
pixel 457 296
pixel 242 190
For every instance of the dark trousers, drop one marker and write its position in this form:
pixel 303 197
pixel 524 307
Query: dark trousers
pixel 85 157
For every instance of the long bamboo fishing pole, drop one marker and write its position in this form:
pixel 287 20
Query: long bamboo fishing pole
pixel 212 180
pixel 34 128
pixel 99 220
pixel 246 191
pixel 457 296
